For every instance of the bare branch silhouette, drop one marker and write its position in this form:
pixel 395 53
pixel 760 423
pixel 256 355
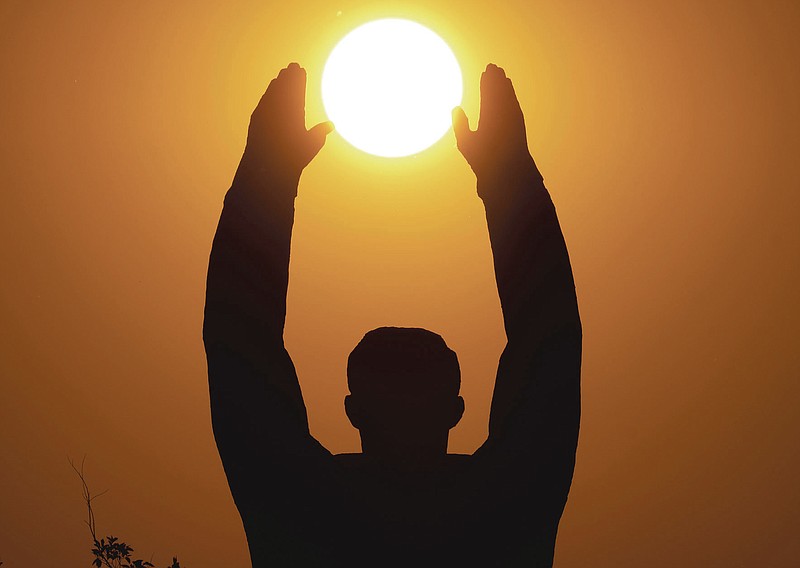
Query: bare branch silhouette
pixel 109 552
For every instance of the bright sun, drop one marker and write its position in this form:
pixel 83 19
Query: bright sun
pixel 389 87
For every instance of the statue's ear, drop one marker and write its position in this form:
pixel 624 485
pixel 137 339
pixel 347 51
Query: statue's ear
pixel 457 412
pixel 353 411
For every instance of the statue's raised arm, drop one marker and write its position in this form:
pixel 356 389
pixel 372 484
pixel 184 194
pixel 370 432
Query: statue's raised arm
pixel 533 429
pixel 257 409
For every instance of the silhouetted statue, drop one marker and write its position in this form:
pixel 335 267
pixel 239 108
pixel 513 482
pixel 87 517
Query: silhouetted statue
pixel 404 501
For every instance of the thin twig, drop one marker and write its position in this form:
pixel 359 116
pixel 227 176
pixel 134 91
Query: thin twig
pixel 88 497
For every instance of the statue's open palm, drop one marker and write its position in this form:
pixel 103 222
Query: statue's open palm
pixel 277 140
pixel 499 144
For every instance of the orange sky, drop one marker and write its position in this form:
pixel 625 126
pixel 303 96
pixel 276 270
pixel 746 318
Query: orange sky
pixel 667 133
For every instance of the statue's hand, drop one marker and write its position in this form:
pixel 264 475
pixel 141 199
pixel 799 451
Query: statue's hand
pixel 499 146
pixel 278 143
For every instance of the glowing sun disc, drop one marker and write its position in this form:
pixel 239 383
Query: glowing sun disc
pixel 389 87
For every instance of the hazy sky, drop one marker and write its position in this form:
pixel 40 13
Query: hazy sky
pixel 667 132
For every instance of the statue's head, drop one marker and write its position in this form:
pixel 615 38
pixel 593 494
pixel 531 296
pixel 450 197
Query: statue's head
pixel 404 385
